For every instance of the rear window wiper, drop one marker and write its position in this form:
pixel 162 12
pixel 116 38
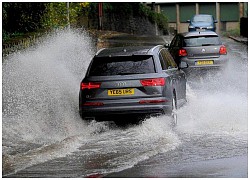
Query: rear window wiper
pixel 208 44
pixel 126 73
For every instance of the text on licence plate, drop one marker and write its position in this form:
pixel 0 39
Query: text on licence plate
pixel 120 92
pixel 200 29
pixel 204 62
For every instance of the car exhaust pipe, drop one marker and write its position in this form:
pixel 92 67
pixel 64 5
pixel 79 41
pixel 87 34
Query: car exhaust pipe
pixel 89 118
pixel 156 114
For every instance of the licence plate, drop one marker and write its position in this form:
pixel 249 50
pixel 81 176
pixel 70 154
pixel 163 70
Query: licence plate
pixel 121 92
pixel 204 62
pixel 200 29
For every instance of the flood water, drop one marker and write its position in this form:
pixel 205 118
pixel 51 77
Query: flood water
pixel 44 136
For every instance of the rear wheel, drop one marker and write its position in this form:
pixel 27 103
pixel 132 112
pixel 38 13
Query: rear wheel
pixel 174 110
pixel 80 108
pixel 81 113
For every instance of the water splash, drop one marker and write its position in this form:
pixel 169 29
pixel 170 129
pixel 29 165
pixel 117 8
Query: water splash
pixel 40 106
pixel 41 85
pixel 218 102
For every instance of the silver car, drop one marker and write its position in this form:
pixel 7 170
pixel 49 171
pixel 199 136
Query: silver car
pixel 132 81
pixel 202 22
pixel 199 49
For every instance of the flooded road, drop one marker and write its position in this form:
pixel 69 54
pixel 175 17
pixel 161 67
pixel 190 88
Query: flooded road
pixel 43 135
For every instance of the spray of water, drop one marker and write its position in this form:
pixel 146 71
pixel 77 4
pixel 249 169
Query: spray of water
pixel 40 105
pixel 218 102
pixel 41 85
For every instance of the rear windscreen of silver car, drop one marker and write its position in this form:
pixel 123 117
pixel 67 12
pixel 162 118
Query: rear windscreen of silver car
pixel 201 41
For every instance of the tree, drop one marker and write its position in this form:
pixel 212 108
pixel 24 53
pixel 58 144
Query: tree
pixel 56 15
pixel 22 17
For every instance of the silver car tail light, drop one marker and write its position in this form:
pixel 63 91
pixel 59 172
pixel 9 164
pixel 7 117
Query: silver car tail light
pixel 182 52
pixel 223 50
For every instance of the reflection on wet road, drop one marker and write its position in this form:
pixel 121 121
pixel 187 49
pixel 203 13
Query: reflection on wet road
pixel 43 135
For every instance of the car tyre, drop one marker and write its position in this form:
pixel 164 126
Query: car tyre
pixel 80 108
pixel 174 110
pixel 81 113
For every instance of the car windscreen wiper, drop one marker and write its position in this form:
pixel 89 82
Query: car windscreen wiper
pixel 127 73
pixel 208 44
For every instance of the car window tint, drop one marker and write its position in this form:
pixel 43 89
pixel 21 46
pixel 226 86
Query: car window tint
pixel 173 42
pixel 169 61
pixel 122 65
pixel 201 41
pixel 163 64
pixel 202 19
pixel 178 42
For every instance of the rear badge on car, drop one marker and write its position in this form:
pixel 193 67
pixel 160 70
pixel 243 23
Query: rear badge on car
pixel 121 84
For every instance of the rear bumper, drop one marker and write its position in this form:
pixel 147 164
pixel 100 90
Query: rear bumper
pixel 124 111
pixel 217 62
pixel 127 109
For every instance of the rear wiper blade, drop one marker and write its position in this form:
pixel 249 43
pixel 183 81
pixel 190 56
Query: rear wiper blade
pixel 208 44
pixel 124 73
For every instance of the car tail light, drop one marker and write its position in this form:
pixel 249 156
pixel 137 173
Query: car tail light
pixel 93 104
pixel 223 50
pixel 153 82
pixel 182 52
pixel 152 101
pixel 90 85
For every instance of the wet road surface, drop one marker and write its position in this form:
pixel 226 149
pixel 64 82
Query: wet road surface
pixel 43 135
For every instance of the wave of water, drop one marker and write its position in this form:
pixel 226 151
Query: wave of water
pixel 41 85
pixel 40 109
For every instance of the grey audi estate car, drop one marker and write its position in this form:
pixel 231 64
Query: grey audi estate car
pixel 132 81
pixel 199 50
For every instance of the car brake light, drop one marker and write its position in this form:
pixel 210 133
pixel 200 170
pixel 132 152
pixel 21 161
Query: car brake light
pixel 223 50
pixel 182 52
pixel 153 82
pixel 93 104
pixel 90 85
pixel 152 101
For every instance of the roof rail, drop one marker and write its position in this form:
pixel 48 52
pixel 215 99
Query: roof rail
pixel 155 47
pixel 99 51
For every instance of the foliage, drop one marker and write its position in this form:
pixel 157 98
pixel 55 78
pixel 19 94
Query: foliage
pixel 160 19
pixel 231 32
pixel 56 15
pixel 139 9
pixel 19 18
pixel 119 8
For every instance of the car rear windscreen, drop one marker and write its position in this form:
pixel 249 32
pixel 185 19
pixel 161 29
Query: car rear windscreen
pixel 201 41
pixel 202 18
pixel 122 65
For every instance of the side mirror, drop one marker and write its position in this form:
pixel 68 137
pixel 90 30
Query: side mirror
pixel 188 21
pixel 183 65
pixel 215 21
pixel 166 45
